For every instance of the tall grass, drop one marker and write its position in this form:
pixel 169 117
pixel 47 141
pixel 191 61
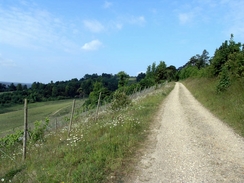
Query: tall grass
pixel 95 151
pixel 227 105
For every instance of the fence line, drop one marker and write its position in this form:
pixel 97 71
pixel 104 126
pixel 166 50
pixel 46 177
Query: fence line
pixel 85 113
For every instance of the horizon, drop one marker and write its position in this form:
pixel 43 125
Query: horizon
pixel 43 41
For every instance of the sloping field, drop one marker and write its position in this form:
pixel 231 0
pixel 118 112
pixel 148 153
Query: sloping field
pixel 36 111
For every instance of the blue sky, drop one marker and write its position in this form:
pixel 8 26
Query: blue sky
pixel 57 40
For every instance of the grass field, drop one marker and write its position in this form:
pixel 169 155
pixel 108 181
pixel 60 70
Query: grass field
pixel 36 111
pixel 228 105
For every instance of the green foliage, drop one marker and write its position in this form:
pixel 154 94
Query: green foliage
pixel 39 92
pixel 160 72
pixel 11 139
pixel 37 134
pixel 94 95
pixel 123 79
pixel 189 71
pixel 120 100
pixel 224 80
pixel 227 52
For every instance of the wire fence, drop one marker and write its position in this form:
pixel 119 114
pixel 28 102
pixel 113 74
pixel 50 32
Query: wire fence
pixel 83 113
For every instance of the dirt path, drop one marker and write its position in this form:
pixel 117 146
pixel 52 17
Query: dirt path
pixel 189 144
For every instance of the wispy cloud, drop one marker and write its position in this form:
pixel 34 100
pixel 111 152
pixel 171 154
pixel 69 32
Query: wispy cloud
pixel 26 26
pixel 185 17
pixel 93 45
pixel 119 25
pixel 140 20
pixel 107 4
pixel 93 25
pixel 7 62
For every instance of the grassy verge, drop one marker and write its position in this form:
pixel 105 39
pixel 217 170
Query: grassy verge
pixel 96 151
pixel 36 111
pixel 228 105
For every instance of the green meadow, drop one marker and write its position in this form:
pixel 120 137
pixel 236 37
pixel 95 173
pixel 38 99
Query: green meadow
pixel 12 118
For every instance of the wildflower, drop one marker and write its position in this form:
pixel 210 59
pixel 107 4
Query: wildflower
pixel 2 179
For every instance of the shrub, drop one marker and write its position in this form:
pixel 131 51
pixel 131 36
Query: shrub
pixel 38 132
pixel 120 100
pixel 224 81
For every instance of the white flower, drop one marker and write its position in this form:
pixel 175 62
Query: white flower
pixel 2 179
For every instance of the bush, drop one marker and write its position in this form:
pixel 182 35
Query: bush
pixel 120 100
pixel 224 81
pixel 38 132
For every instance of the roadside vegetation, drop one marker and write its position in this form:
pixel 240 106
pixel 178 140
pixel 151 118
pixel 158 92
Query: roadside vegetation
pixel 218 82
pixel 228 105
pixel 96 150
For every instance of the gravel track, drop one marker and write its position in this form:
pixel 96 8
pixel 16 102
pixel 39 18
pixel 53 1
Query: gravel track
pixel 189 144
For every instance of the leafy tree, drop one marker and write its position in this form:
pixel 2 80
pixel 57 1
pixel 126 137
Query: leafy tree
pixel 123 79
pixel 54 91
pixel 225 52
pixel 12 87
pixel 140 76
pixel 19 87
pixel 161 72
pixel 171 73
pixel 94 95
pixel 2 87
pixel 224 81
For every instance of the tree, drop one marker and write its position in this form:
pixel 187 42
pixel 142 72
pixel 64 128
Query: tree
pixel 19 87
pixel 2 87
pixel 94 95
pixel 171 73
pixel 226 52
pixel 123 79
pixel 54 91
pixel 12 87
pixel 140 76
pixel 161 71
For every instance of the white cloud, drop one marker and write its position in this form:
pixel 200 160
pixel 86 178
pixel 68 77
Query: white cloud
pixel 119 26
pixel 185 17
pixel 93 45
pixel 7 62
pixel 107 4
pixel 137 20
pixel 32 28
pixel 93 25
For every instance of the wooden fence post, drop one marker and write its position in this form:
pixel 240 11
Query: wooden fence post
pixel 25 130
pixel 56 125
pixel 71 117
pixel 98 105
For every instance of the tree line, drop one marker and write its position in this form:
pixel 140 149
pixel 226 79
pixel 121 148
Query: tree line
pixel 227 65
pixel 87 87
